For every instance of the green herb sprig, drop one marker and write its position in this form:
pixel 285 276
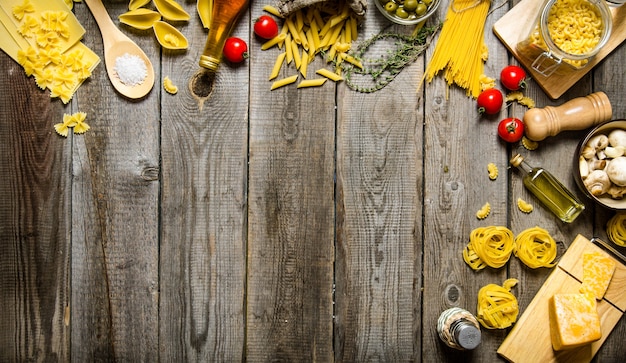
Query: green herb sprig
pixel 378 73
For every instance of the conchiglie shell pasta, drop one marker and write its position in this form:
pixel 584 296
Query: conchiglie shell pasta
pixel 136 4
pixel 169 37
pixel 171 10
pixel 205 10
pixel 140 18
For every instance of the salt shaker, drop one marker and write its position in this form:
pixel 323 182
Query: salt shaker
pixel 459 329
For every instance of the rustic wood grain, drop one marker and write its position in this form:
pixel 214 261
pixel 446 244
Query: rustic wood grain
pixel 307 225
pixel 458 145
pixel 290 216
pixel 115 206
pixel 203 208
pixel 35 194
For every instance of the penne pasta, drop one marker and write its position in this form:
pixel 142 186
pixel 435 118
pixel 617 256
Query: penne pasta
pixel 277 65
pixel 274 41
pixel 312 82
pixel 284 81
pixel 328 74
pixel 272 10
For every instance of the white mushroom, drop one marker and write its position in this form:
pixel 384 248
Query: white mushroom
pixel 598 182
pixel 616 192
pixel 614 151
pixel 616 170
pixel 598 142
pixel 617 138
pixel 583 165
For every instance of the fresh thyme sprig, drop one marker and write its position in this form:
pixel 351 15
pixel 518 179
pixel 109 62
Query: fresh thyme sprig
pixel 378 73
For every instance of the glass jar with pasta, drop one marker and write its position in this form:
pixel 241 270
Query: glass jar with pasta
pixel 568 34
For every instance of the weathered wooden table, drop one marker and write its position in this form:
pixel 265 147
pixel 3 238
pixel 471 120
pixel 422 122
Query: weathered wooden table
pixel 316 224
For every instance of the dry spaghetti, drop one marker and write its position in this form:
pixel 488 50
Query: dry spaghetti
pixel 461 50
pixel 535 248
pixel 489 246
pixel 497 306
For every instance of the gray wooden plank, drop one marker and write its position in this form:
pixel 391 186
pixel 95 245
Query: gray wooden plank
pixel 203 207
pixel 115 214
pixel 289 303
pixel 459 143
pixel 379 214
pixel 34 221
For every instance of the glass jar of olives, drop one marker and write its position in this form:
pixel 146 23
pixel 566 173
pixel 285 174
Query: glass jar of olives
pixel 407 12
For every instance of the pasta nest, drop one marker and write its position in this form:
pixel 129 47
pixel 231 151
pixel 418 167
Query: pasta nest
pixel 489 246
pixel 536 248
pixel 497 306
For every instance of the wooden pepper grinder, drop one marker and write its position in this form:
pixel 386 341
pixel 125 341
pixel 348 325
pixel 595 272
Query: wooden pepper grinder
pixel 576 114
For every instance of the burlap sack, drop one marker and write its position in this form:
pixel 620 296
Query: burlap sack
pixel 286 7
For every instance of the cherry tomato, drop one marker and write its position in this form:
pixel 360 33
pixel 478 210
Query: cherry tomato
pixel 489 101
pixel 235 50
pixel 511 129
pixel 513 78
pixel 265 27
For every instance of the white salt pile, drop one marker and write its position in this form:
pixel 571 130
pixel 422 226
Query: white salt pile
pixel 130 69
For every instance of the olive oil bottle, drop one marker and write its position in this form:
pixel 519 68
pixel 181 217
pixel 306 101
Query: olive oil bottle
pixel 549 190
pixel 225 15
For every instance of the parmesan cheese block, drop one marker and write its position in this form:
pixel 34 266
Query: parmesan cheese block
pixel 574 320
pixel 598 269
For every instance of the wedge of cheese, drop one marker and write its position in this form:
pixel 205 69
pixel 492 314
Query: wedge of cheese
pixel 574 320
pixel 598 269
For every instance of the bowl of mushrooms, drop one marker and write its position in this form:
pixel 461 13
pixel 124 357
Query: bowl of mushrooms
pixel 601 164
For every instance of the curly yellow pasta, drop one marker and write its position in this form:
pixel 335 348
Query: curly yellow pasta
pixel 524 206
pixel 535 248
pixel 529 144
pixel 497 307
pixel 484 211
pixel 493 245
pixel 492 169
pixel 616 229
pixel 564 26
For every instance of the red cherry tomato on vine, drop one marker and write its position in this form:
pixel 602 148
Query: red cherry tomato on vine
pixel 511 129
pixel 489 101
pixel 265 27
pixel 513 78
pixel 235 50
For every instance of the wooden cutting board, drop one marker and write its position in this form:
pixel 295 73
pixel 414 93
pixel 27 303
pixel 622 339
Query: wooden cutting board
pixel 529 340
pixel 515 26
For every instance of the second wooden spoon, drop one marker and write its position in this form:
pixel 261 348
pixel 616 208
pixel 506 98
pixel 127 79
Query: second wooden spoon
pixel 116 44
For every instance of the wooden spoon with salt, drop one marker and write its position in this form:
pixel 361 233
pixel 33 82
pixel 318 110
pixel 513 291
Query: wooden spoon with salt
pixel 117 44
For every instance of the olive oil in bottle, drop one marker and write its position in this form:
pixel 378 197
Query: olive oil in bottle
pixel 549 190
pixel 223 20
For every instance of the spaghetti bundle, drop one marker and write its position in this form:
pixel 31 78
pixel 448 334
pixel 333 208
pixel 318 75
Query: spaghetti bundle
pixel 461 51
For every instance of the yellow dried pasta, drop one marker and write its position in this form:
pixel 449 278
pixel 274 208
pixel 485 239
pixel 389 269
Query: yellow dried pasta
pixel 74 121
pixel 535 248
pixel 497 307
pixel 616 229
pixel 492 169
pixel 283 82
pixel 169 86
pixel 519 97
pixel 529 144
pixel 492 245
pixel 327 29
pixel 575 27
pixel 484 211
pixel 524 206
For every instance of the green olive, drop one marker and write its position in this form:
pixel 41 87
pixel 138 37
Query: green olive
pixel 410 5
pixel 401 13
pixel 421 9
pixel 391 7
pixel 427 2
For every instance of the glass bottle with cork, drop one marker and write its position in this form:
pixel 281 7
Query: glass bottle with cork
pixel 549 190
pixel 225 15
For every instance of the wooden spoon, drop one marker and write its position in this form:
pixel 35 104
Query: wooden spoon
pixel 117 44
